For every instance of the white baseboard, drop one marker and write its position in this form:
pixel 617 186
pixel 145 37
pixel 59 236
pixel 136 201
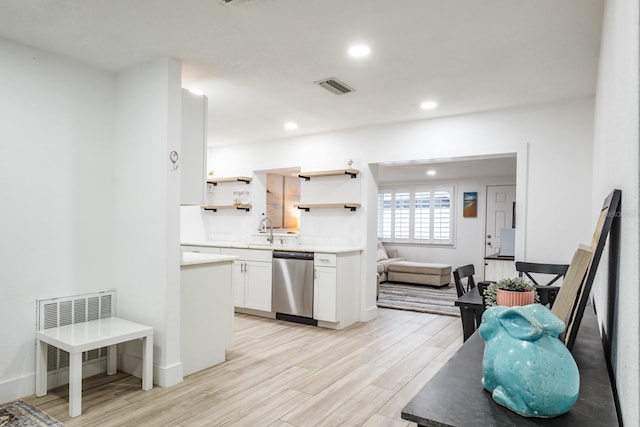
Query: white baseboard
pixel 168 375
pixel 253 312
pixel 89 369
pixel 164 376
pixel 369 314
pixel 26 386
pixel 18 387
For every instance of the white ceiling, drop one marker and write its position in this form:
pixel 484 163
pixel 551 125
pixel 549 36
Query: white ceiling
pixel 256 60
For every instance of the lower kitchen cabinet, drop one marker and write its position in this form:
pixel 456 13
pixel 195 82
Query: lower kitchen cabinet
pixel 257 288
pixel 325 296
pixel 251 277
pixel 200 249
pixel 336 289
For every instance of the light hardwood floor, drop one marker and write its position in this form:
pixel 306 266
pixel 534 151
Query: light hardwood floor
pixel 283 374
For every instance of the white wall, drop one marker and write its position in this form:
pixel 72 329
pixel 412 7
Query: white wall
pixel 57 196
pixel 469 233
pixel 616 166
pixel 147 261
pixel 88 201
pixel 554 142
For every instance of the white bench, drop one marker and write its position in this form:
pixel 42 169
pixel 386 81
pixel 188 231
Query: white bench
pixel 89 335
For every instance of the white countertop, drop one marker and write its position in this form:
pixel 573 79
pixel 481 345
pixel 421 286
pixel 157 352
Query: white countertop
pixel 192 258
pixel 276 247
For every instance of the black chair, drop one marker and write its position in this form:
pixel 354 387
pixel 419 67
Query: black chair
pixel 482 286
pixel 466 271
pixel 546 292
pixel 459 274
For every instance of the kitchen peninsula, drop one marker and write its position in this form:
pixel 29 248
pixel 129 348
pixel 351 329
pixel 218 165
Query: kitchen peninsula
pixel 206 306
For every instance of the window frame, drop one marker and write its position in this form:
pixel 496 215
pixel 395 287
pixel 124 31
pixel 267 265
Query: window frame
pixel 413 189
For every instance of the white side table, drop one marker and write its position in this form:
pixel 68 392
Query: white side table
pixel 80 337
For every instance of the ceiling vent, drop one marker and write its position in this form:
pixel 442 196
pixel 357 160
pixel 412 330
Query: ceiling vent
pixel 334 86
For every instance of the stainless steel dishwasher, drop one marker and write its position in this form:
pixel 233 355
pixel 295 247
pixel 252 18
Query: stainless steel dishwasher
pixel 292 291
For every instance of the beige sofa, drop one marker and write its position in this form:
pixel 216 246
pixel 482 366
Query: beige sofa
pixel 385 258
pixel 419 273
pixel 392 268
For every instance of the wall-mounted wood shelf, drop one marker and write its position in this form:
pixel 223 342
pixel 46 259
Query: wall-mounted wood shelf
pixel 308 206
pixel 215 208
pixel 216 181
pixel 308 175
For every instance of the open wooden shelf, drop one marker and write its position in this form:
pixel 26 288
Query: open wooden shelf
pixel 308 175
pixel 308 206
pixel 215 208
pixel 216 181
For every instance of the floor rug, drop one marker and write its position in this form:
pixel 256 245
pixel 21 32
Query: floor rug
pixel 21 414
pixel 425 299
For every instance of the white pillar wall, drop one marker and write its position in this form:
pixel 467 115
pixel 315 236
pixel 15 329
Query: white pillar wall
pixel 616 165
pixel 147 260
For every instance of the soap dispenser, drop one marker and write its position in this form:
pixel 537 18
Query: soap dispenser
pixel 262 226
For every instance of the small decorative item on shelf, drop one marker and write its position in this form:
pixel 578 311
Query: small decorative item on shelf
pixel 210 173
pixel 510 292
pixel 236 197
pixel 525 366
pixel 244 197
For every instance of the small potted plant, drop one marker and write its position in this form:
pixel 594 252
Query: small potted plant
pixel 511 292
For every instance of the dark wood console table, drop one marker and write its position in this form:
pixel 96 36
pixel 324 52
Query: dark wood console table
pixel 455 397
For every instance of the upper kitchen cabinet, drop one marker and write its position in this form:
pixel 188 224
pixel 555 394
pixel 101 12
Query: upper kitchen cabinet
pixel 193 155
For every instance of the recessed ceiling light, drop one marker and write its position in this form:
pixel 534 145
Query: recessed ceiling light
pixel 431 172
pixel 429 105
pixel 196 92
pixel 291 126
pixel 359 51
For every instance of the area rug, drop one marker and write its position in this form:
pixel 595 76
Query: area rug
pixel 21 414
pixel 424 299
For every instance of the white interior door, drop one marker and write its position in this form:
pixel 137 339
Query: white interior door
pixel 501 201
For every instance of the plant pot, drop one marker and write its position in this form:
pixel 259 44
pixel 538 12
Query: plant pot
pixel 513 298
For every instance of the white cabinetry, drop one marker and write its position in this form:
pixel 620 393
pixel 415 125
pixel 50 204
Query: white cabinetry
pixel 200 249
pixel 325 297
pixel 498 269
pixel 336 289
pixel 251 277
pixel 206 314
pixel 193 153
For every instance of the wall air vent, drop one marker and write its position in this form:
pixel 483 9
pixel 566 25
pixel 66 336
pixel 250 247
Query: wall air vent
pixel 55 312
pixel 334 86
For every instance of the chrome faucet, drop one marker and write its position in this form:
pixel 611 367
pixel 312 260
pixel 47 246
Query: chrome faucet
pixel 264 220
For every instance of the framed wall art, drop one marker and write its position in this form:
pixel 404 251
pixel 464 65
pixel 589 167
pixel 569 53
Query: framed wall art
pixel 470 204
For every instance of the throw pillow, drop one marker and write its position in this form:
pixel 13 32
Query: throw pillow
pixel 382 252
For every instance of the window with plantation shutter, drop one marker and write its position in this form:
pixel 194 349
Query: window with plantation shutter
pixel 401 216
pixel 442 216
pixel 422 227
pixel 416 215
pixel 384 215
